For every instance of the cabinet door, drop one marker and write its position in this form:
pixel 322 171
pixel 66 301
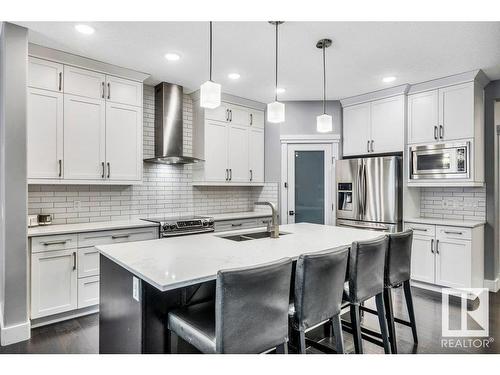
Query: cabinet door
pixel 53 282
pixel 216 135
pixel 456 112
pixel 45 134
pixel 387 120
pixel 221 113
pixel 256 154
pixel 422 259
pixel 256 118
pixel 84 82
pixel 123 91
pixel 88 291
pixel 453 263
pixel 123 142
pixel 239 116
pixel 84 138
pixel 238 154
pixel 44 74
pixel 422 117
pixel 356 129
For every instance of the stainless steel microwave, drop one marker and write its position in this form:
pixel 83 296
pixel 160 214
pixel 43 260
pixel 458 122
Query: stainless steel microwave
pixel 445 160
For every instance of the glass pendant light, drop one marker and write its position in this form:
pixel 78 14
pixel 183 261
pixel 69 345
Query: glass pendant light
pixel 324 122
pixel 276 110
pixel 210 92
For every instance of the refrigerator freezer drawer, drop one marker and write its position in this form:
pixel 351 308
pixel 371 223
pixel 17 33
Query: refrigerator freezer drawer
pixel 381 227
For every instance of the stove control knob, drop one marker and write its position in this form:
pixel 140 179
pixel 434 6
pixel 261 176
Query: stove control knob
pixel 205 223
pixel 172 226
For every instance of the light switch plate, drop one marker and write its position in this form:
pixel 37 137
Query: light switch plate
pixel 135 288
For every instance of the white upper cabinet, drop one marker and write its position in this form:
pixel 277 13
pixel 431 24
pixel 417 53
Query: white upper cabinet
pixel 123 142
pixel 84 82
pixel 44 74
pixel 216 140
pixel 356 132
pixel 123 91
pixel 221 113
pixel 387 125
pixel 238 154
pixel 239 115
pixel 445 114
pixel 84 138
pixel 45 134
pixel 256 154
pixel 256 118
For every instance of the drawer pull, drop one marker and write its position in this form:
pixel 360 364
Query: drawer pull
pixel 420 229
pixel 432 246
pixel 237 225
pixel 114 237
pixel 74 260
pixel 453 232
pixel 437 247
pixel 57 242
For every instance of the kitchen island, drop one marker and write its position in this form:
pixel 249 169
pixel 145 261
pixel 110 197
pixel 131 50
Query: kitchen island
pixel 140 282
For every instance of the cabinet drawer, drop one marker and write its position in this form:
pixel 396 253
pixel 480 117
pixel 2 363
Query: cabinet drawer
pixel 221 226
pixel 117 236
pixel 45 74
pixel 88 291
pixel 443 232
pixel 88 262
pixel 51 243
pixel 422 229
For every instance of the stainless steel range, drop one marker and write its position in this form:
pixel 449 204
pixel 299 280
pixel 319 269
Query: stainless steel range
pixel 183 225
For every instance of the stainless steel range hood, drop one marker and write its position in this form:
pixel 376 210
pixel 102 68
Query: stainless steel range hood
pixel 169 137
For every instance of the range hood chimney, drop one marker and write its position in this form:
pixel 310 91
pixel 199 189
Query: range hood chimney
pixel 169 137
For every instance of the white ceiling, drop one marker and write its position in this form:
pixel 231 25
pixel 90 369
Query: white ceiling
pixel 362 53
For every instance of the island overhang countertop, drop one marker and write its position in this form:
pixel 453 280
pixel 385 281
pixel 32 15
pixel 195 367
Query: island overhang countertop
pixel 177 262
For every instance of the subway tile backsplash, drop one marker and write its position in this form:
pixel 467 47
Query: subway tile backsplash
pixel 166 189
pixel 461 203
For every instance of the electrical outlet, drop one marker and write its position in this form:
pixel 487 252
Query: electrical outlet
pixel 77 205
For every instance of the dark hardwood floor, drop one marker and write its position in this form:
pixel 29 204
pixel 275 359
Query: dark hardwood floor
pixel 81 335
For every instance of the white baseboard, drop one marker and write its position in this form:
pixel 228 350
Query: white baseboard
pixel 12 334
pixel 492 285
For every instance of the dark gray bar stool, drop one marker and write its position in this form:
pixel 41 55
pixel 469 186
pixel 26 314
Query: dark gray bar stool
pixel 249 315
pixel 318 289
pixel 397 274
pixel 366 280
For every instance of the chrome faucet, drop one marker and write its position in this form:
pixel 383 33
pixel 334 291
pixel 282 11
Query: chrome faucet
pixel 273 226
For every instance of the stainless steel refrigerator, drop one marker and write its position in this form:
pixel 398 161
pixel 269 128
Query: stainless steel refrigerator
pixel 369 193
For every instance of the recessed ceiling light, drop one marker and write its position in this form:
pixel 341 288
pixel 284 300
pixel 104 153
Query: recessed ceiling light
pixel 233 76
pixel 389 79
pixel 280 90
pixel 84 29
pixel 171 56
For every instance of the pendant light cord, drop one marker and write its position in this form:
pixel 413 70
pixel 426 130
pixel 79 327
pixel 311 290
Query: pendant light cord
pixel 276 81
pixel 210 51
pixel 324 79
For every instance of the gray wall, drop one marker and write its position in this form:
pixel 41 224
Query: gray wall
pixel 13 187
pixel 300 118
pixel 491 246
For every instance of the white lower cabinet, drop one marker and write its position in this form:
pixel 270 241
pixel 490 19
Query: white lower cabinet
pixel 53 282
pixel 447 256
pixel 88 291
pixel 237 224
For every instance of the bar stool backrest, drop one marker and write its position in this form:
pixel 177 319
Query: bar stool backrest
pixel 366 269
pixel 319 284
pixel 251 309
pixel 398 260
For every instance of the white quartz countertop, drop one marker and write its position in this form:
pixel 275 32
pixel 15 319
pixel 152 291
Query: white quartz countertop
pixel 176 262
pixel 448 222
pixel 46 230
pixel 241 215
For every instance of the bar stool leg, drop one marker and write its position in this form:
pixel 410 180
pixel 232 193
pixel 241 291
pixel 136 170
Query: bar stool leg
pixel 379 300
pixel 389 313
pixel 337 333
pixel 282 348
pixel 356 328
pixel 302 342
pixel 411 312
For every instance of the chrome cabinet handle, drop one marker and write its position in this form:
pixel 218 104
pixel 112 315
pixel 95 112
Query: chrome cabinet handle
pixel 109 169
pixel 237 225
pixel 227 174
pixel 251 118
pixel 420 229
pixel 441 131
pixel 74 260
pixel 251 175
pixel 435 133
pixel 230 115
pixel 372 145
pixel 109 91
pixel 368 146
pixel 230 174
pixel 60 168
pixel 453 232
pixel 432 246
pixel 116 236
pixel 227 115
pixel 102 175
pixel 103 89
pixel 60 81
pixel 437 246
pixel 56 242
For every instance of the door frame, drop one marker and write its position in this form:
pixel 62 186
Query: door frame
pixel 331 141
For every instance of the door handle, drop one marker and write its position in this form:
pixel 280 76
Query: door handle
pixel 103 89
pixel 60 81
pixel 432 246
pixel 441 131
pixel 437 247
pixel 60 167
pixel 367 146
pixel 230 115
pixel 372 146
pixel 435 133
pixel 227 174
pixel 251 118
pixel 109 169
pixel 230 174
pixel 74 260
pixel 291 213
pixel 251 175
pixel 109 90
pixel 103 172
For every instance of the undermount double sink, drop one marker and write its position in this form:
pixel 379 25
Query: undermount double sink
pixel 250 236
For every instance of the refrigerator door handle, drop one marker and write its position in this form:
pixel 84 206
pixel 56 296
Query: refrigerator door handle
pixel 364 190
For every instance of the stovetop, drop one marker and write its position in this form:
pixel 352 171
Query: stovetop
pixel 173 219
